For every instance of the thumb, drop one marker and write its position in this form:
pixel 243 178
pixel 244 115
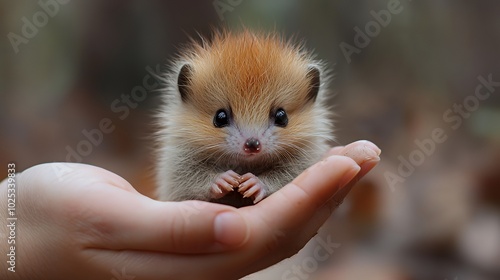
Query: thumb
pixel 108 211
pixel 135 222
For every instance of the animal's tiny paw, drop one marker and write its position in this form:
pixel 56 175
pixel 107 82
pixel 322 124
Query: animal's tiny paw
pixel 251 186
pixel 224 183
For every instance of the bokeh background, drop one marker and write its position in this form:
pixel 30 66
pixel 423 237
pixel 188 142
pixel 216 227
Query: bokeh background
pixel 442 221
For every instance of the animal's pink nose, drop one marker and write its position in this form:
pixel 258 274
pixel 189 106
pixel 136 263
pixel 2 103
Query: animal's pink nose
pixel 252 146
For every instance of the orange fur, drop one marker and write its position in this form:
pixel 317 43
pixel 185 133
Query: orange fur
pixel 250 71
pixel 252 75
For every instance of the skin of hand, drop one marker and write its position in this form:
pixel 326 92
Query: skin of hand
pixel 78 221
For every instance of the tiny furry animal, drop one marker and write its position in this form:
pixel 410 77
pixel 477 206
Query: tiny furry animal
pixel 243 115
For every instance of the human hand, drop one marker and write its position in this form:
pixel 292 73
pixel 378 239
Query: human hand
pixel 88 223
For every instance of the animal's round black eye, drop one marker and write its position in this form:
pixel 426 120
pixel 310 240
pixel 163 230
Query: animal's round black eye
pixel 221 118
pixel 280 118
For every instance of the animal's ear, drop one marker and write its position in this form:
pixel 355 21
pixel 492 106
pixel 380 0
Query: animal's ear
pixel 313 75
pixel 183 81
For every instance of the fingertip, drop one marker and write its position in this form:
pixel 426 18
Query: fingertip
pixel 331 169
pixel 230 229
pixel 298 201
pixel 364 167
pixel 349 175
pixel 340 160
pixel 367 166
pixel 369 146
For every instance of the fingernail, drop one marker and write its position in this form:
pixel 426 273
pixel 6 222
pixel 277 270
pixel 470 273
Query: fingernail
pixel 349 175
pixel 368 165
pixel 372 147
pixel 371 153
pixel 230 229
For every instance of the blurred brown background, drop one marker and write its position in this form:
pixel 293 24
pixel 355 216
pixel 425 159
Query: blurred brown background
pixel 70 65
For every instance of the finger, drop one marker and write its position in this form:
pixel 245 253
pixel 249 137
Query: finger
pixel 275 214
pixel 330 206
pixel 282 218
pixel 324 213
pixel 120 220
pixel 246 177
pixel 255 188
pixel 318 196
pixel 274 221
pixel 249 182
pixel 106 212
pixel 222 183
pixel 216 191
pixel 231 178
pixel 294 204
pixel 366 167
pixel 311 228
pixel 359 150
pixel 366 155
pixel 233 174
